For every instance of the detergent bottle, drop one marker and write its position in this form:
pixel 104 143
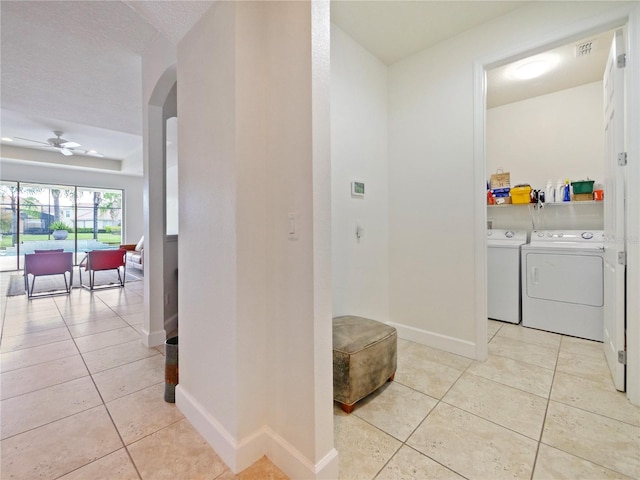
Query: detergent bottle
pixel 567 191
pixel 559 191
pixel 550 192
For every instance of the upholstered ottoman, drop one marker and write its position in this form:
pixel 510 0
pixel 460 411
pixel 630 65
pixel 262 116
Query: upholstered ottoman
pixel 364 358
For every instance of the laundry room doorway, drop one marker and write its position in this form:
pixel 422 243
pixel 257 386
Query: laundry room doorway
pixel 614 181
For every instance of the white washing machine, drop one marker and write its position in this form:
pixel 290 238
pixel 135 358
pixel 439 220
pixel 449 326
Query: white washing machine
pixel 503 274
pixel 563 282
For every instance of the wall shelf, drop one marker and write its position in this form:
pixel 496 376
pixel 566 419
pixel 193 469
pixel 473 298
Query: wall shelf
pixel 558 204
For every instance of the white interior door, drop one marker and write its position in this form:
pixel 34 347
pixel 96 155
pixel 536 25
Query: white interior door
pixel 614 213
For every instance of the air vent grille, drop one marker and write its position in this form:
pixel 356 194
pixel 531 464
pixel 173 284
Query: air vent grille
pixel 585 48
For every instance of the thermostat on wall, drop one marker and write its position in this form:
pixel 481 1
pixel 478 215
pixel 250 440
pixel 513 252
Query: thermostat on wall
pixel 357 189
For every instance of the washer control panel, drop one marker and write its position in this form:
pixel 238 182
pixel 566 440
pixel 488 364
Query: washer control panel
pixel 499 236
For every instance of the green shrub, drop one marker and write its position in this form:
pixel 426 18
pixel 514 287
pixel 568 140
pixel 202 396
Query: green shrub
pixel 60 226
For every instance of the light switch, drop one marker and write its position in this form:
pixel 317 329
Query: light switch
pixel 293 234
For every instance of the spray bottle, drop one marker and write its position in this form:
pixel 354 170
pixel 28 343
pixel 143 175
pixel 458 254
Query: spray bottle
pixel 567 191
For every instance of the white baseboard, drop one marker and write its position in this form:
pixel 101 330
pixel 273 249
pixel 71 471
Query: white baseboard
pixel 153 339
pixel 436 340
pixel 240 455
pixel 289 459
pixel 213 432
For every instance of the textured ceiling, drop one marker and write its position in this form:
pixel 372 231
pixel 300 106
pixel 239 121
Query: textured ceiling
pixel 571 71
pixel 76 66
pixel 171 18
pixel 393 30
pixel 57 55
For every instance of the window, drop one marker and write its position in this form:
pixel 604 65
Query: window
pixel 83 218
pixel 171 178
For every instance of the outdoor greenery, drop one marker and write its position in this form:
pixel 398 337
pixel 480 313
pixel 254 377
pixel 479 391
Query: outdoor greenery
pixel 108 238
pixel 32 212
pixel 59 225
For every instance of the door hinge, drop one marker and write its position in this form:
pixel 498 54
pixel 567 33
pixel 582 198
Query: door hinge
pixel 621 60
pixel 622 159
pixel 622 258
pixel 622 357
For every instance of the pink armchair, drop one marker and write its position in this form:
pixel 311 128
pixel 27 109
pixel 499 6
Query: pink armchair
pixel 47 262
pixel 98 260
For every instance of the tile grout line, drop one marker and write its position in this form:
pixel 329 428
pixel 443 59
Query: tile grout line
pixel 56 384
pixel 104 404
pixel 546 411
pixel 441 400
pixel 577 408
pixel 404 442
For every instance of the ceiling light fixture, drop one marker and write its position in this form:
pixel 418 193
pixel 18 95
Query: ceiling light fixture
pixel 7 139
pixel 533 67
pixel 94 153
pixel 532 70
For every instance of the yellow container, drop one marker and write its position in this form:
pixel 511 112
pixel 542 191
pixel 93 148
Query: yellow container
pixel 521 194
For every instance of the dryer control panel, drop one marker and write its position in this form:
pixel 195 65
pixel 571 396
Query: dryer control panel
pixel 568 238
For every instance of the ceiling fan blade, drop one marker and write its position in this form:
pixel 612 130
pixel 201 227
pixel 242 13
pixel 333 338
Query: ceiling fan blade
pixel 35 141
pixel 66 151
pixel 69 145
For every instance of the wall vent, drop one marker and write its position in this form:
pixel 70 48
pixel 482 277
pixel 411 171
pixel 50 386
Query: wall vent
pixel 585 48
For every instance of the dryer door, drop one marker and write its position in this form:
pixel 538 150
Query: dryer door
pixel 565 278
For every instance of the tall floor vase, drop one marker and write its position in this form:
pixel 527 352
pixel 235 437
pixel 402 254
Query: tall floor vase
pixel 170 369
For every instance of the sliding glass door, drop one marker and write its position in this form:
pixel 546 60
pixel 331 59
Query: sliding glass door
pixel 8 225
pixel 49 217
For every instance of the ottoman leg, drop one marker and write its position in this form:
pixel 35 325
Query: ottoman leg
pixel 393 375
pixel 347 408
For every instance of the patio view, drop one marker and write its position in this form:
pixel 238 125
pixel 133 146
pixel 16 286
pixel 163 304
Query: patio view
pixel 44 217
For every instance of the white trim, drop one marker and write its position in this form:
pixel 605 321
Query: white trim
pixel 213 432
pixel 437 340
pixel 251 448
pixel 628 15
pixel 152 339
pixel 480 210
pixel 632 110
pixel 240 455
pixel 295 465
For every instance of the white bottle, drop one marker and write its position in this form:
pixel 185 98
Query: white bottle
pixel 550 193
pixel 559 191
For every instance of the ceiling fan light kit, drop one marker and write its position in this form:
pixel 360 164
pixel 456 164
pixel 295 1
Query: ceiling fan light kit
pixel 65 147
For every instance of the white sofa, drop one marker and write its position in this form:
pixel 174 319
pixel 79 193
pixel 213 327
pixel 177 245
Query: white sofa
pixel 135 254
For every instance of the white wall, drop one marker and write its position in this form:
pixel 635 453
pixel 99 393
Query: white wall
pixel 432 199
pixel 206 148
pixel 255 321
pixel 359 152
pixel 158 80
pixel 132 186
pixel 550 137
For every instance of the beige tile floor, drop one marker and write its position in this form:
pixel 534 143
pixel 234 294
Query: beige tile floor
pixel 81 398
pixel 541 407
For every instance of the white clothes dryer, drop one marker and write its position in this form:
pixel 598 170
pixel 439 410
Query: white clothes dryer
pixel 563 282
pixel 503 274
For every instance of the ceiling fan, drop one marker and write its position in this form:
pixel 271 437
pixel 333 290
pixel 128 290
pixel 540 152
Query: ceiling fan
pixel 65 147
